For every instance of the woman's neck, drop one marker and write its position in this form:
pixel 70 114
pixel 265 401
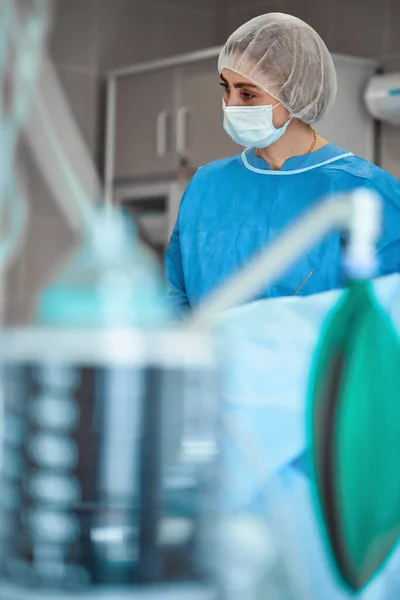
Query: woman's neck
pixel 297 141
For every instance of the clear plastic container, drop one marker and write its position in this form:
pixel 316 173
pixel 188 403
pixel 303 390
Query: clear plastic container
pixel 112 281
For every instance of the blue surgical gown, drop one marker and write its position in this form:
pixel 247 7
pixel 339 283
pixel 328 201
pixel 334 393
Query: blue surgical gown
pixel 234 207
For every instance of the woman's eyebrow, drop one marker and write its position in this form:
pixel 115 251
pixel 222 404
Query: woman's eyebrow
pixel 240 84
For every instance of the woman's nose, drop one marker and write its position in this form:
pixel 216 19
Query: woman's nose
pixel 233 100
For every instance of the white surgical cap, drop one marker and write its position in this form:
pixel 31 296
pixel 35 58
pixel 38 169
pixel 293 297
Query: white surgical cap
pixel 287 58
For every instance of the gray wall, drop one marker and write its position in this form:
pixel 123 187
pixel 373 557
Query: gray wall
pixel 360 27
pixel 92 36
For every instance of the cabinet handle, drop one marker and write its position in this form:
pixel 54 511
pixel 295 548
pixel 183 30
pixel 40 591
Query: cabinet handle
pixel 162 122
pixel 181 130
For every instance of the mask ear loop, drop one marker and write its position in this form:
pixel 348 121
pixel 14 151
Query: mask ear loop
pixel 290 117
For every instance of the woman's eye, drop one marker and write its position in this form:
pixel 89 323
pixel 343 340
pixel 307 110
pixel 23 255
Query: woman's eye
pixel 225 86
pixel 248 96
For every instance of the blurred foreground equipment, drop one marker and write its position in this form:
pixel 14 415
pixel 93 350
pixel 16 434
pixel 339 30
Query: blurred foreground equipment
pixel 355 424
pixel 109 470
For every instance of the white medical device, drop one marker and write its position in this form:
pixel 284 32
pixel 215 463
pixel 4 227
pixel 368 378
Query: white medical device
pixel 382 97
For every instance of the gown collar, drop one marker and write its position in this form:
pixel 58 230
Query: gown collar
pixel 297 164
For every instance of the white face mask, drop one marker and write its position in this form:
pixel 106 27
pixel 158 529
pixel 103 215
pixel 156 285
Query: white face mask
pixel 252 126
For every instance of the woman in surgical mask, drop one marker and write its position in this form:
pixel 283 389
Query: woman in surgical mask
pixel 278 80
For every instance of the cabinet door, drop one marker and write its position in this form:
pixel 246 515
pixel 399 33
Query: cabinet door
pixel 201 109
pixel 145 140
